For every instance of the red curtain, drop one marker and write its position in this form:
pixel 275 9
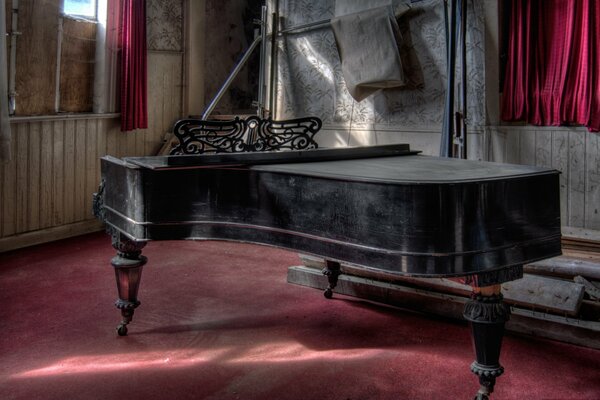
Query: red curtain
pixel 553 72
pixel 132 65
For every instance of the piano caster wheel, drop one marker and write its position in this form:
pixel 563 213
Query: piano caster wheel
pixel 328 293
pixel 122 330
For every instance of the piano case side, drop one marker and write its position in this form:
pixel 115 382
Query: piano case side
pixel 123 202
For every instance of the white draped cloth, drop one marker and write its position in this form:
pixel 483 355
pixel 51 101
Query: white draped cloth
pixel 368 40
pixel 4 120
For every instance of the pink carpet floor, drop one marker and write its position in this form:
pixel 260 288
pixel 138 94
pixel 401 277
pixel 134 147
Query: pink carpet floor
pixel 219 321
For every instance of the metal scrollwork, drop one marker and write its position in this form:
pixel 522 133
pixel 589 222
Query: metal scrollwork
pixel 250 135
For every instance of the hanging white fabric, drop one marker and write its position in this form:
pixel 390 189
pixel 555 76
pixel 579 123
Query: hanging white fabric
pixel 5 133
pixel 368 40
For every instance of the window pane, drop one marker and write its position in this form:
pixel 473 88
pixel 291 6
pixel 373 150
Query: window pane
pixel 86 8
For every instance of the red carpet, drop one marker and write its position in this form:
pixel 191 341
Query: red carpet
pixel 218 321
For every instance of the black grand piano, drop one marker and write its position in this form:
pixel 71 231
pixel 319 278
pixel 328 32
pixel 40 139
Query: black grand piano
pixel 384 208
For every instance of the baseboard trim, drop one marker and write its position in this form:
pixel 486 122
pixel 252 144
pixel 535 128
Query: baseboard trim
pixel 49 234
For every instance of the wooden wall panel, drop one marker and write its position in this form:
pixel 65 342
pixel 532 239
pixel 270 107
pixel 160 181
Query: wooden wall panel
pixel 166 94
pixel 58 173
pixel 22 184
pixel 33 178
pixel 573 151
pixel 8 220
pixel 592 193
pixel 46 174
pixel 560 161
pixel 576 173
pixel 68 200
pixel 80 175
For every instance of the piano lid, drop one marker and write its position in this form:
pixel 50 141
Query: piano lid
pixel 412 169
pixel 269 157
pixel 364 163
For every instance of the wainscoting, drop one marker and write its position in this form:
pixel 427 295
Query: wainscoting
pixel 46 188
pixel 573 151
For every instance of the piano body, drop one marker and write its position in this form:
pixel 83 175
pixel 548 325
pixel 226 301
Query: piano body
pixel 383 208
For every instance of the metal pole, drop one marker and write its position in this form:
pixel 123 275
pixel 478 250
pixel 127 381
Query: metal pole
pixel 447 127
pixel 231 77
pixel 14 33
pixel 463 67
pixel 261 73
pixel 272 76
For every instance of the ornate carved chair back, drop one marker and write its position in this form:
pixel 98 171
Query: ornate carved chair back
pixel 197 136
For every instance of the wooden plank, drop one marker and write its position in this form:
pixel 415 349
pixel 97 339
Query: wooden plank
pixel 131 145
pixel 560 161
pixel 542 293
pixel 512 148
pixel 592 192
pixel 592 235
pixel 566 329
pixel 90 167
pixel 22 156
pixel 100 149
pixel 547 294
pixel 112 141
pixel 527 147
pixel 46 175
pixel 69 175
pixel 58 173
pixel 543 148
pixel 565 267
pixel 49 234
pixel 33 171
pixel 590 288
pixel 9 192
pixel 576 190
pixel 80 170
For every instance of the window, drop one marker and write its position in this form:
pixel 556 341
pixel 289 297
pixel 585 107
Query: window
pixel 63 61
pixel 80 8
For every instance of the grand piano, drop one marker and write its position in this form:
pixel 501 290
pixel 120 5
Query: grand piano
pixel 383 208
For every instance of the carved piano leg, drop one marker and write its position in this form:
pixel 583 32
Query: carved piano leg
pixel 332 272
pixel 128 265
pixel 487 314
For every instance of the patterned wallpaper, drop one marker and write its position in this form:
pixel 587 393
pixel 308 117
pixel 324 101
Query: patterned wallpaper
pixel 164 26
pixel 310 80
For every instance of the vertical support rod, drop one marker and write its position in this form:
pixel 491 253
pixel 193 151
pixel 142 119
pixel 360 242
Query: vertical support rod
pixel 12 74
pixel 463 68
pixel 263 53
pixel 272 76
pixel 447 126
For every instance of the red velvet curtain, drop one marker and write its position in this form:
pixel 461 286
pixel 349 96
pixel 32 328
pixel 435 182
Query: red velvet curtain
pixel 553 71
pixel 132 65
